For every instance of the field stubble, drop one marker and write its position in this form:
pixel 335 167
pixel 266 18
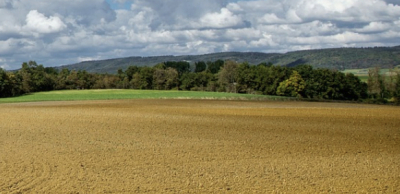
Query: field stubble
pixel 198 146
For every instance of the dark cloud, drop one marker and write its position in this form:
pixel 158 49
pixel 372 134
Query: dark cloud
pixel 169 13
pixel 394 2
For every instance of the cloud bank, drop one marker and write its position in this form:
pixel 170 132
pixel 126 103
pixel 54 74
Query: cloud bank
pixel 58 32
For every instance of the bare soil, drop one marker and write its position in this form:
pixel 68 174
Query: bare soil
pixel 198 146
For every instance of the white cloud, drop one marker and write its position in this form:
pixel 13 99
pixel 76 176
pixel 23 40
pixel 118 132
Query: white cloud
pixel 271 18
pixel 80 59
pixel 374 27
pixel 37 22
pixel 222 19
pixel 57 32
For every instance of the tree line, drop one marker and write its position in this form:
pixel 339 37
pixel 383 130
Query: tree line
pixel 302 81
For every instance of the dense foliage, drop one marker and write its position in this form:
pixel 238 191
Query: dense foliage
pixel 302 81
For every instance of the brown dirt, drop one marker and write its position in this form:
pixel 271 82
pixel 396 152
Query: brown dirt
pixel 198 146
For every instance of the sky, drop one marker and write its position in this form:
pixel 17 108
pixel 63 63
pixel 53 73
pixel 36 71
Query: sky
pixel 60 32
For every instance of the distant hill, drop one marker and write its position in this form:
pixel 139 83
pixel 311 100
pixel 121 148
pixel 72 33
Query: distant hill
pixel 336 58
pixel 342 58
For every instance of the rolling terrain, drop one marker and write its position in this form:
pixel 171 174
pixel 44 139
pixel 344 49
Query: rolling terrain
pixel 335 58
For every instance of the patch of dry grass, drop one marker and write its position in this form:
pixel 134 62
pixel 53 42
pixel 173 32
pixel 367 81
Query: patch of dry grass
pixel 198 146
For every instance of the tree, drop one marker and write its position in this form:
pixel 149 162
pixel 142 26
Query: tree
pixel 261 73
pixel 188 81
pixel 85 80
pixel 354 88
pixel 111 81
pixel 125 83
pixel 121 74
pixel 396 92
pixel 227 77
pixel 143 79
pixel 200 66
pixel 274 76
pixel 4 84
pixel 61 81
pixel 71 80
pixel 15 84
pixel 376 83
pixel 309 76
pixel 131 71
pixel 35 78
pixel 180 66
pixel 165 79
pixel 10 84
pixel 215 67
pixel 246 78
pixel 159 79
pixel 203 80
pixel 160 66
pixel 293 86
pixel 171 79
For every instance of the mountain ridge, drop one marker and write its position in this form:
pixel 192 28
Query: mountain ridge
pixel 332 58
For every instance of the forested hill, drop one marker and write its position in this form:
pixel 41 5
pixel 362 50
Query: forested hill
pixel 112 65
pixel 336 58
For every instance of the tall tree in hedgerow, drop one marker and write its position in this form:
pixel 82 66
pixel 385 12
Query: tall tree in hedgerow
pixel 200 66
pixel 293 86
pixel 4 84
pixel 396 93
pixel 376 84
pixel 227 77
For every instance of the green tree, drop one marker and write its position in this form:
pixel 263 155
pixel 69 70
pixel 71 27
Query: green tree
pixel 15 84
pixel 4 84
pixel 227 77
pixel 376 84
pixel 200 66
pixel 61 81
pixel 159 79
pixel 171 79
pixel 273 77
pixel 396 92
pixel 215 67
pixel 246 78
pixel 35 78
pixel 71 80
pixel 125 83
pixel 160 66
pixel 188 81
pixel 143 79
pixel 111 81
pixel 203 80
pixel 180 66
pixel 165 79
pixel 85 80
pixel 131 71
pixel 354 88
pixel 293 86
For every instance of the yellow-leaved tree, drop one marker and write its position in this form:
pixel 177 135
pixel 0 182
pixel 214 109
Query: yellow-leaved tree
pixel 293 86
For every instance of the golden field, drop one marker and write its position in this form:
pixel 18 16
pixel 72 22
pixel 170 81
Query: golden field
pixel 198 146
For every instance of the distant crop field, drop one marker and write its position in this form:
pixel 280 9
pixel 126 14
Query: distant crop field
pixel 198 146
pixel 110 94
pixel 363 73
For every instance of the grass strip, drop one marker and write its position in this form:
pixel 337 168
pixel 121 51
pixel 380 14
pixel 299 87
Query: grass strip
pixel 113 94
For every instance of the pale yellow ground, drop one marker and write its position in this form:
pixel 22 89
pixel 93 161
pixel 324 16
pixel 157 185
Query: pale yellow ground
pixel 198 146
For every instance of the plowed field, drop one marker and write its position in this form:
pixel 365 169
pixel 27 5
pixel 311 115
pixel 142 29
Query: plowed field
pixel 198 146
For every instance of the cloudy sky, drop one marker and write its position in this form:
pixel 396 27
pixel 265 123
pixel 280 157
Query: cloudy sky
pixel 59 32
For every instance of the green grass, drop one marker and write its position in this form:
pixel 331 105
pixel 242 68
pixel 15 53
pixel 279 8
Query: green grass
pixel 363 78
pixel 72 95
pixel 363 73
